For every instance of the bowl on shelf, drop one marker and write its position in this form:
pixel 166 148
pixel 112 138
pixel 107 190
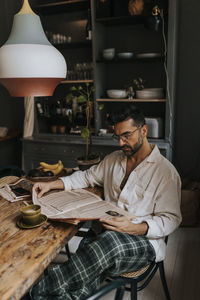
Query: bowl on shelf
pixel 3 131
pixel 125 55
pixel 108 53
pixel 153 93
pixel 117 94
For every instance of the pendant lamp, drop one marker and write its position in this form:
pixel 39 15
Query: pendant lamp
pixel 29 64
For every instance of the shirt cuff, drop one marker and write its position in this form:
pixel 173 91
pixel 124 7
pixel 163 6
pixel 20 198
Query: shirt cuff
pixel 153 230
pixel 66 183
pixel 140 220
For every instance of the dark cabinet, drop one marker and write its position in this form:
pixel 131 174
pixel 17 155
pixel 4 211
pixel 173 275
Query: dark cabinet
pixel 53 148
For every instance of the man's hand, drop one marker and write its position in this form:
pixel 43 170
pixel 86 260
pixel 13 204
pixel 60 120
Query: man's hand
pixel 123 224
pixel 43 187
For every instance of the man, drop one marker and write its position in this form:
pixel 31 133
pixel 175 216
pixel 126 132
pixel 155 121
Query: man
pixel 136 178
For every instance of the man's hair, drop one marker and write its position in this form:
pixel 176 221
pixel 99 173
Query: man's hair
pixel 126 113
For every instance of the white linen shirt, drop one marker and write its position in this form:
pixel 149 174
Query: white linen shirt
pixel 152 192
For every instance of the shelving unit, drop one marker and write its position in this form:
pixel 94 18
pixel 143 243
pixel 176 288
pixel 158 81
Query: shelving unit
pixel 63 20
pixel 118 73
pixel 125 34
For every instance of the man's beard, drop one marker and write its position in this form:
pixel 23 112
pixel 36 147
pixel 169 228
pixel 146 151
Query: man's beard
pixel 130 151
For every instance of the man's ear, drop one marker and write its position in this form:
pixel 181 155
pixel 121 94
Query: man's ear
pixel 144 130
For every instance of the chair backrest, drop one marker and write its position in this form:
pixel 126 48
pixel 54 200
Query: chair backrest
pixel 144 276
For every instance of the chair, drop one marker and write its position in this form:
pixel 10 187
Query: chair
pixel 133 278
pixel 116 284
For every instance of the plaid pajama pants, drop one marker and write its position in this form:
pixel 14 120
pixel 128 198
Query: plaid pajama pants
pixel 108 254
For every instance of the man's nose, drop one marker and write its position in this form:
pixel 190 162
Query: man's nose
pixel 121 142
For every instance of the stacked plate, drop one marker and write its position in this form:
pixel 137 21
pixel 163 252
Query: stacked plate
pixel 154 93
pixel 148 55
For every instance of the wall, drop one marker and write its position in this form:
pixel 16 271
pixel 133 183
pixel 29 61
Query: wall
pixel 11 109
pixel 187 117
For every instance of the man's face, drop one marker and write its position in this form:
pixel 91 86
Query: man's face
pixel 130 137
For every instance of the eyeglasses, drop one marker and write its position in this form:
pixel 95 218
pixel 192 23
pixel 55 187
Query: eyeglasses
pixel 124 136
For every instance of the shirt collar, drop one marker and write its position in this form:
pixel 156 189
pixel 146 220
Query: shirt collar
pixel 154 156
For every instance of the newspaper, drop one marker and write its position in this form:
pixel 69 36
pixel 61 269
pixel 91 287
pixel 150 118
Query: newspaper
pixel 76 205
pixel 20 190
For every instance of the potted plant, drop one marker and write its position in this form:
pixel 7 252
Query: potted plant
pixel 84 95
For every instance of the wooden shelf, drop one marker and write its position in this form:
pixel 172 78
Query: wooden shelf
pixel 11 135
pixel 77 81
pixel 54 7
pixel 130 100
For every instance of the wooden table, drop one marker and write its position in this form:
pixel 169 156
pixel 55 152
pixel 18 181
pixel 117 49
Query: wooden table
pixel 25 253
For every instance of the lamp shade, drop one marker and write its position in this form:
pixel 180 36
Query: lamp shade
pixel 29 64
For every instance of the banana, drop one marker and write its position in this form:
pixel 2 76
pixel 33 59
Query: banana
pixel 57 170
pixel 50 167
pixel 46 170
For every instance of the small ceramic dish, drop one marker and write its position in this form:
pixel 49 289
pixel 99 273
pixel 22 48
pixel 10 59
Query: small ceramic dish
pixel 125 55
pixel 112 50
pixel 108 53
pixel 118 94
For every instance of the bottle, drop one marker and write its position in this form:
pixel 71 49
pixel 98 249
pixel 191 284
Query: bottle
pixel 89 26
pixel 39 108
pixel 58 108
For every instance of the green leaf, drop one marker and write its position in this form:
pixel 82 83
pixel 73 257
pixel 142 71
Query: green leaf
pixel 69 97
pixel 100 106
pixel 80 88
pixel 73 88
pixel 85 133
pixel 81 99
